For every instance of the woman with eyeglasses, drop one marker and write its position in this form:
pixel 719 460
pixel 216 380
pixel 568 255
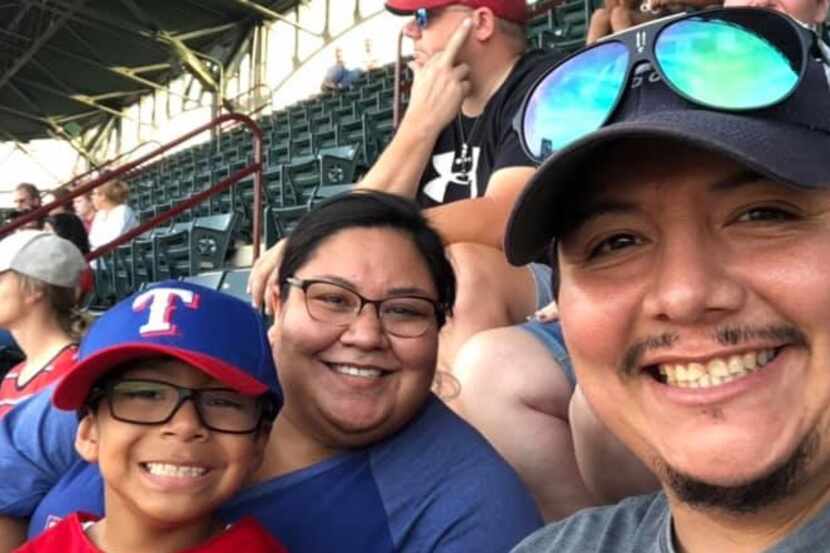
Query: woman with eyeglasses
pixel 363 457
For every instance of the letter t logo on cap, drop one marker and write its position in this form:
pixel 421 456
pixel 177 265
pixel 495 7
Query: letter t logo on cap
pixel 162 305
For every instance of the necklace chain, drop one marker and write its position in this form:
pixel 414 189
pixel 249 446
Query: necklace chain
pixel 466 157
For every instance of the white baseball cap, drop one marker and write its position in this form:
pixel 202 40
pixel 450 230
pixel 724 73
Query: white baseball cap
pixel 43 256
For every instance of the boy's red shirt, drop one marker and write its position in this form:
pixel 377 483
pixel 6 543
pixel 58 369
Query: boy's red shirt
pixel 13 392
pixel 68 536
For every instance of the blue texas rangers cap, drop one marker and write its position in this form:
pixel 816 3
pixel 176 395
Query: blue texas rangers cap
pixel 214 332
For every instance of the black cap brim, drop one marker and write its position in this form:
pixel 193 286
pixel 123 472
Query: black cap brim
pixel 791 154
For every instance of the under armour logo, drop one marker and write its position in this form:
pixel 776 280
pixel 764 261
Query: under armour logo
pixel 460 171
pixel 162 304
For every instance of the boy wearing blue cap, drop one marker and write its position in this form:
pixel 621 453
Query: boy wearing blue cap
pixel 176 421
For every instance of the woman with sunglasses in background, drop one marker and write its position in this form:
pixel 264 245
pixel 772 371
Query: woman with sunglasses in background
pixel 363 457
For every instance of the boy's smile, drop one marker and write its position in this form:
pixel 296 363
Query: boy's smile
pixel 171 472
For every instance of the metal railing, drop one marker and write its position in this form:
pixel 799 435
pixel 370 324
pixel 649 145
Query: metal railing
pixel 254 168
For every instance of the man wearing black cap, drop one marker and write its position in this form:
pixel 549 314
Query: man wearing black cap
pixel 694 292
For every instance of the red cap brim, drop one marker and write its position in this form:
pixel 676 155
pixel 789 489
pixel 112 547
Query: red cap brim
pixel 74 388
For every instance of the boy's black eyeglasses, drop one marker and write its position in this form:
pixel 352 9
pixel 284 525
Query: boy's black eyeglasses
pixel 403 316
pixel 731 59
pixel 151 402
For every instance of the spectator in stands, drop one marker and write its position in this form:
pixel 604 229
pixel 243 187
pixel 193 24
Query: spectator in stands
pixel 26 199
pixel 455 152
pixel 617 15
pixel 59 194
pixel 34 224
pixel 370 60
pixel 362 457
pixel 26 196
pixel 85 210
pixel 70 227
pixel 168 464
pixel 113 217
pixel 693 292
pixel 337 76
pixel 39 273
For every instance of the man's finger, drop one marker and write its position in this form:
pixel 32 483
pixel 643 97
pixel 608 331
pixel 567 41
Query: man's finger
pixel 461 71
pixel 456 41
pixel 262 274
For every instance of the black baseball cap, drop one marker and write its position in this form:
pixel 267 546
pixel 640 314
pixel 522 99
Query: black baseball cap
pixel 789 143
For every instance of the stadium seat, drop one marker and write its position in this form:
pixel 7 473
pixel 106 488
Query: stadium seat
pixel 210 279
pixel 235 283
pixel 191 248
pixel 280 221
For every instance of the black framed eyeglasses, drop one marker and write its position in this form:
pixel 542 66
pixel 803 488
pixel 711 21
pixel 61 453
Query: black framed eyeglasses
pixel 152 402
pixel 730 59
pixel 402 316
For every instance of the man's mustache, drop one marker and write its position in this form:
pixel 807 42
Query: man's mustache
pixel 723 336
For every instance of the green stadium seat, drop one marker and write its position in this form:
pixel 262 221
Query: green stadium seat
pixel 235 283
pixel 280 221
pixel 210 279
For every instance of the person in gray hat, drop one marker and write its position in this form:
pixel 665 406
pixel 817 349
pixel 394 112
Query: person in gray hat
pixel 39 273
pixel 693 277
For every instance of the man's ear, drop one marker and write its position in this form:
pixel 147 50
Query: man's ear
pixel 87 438
pixel 484 24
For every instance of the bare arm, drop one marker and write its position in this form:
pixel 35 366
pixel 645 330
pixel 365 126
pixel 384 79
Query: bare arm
pixel 439 87
pixel 12 533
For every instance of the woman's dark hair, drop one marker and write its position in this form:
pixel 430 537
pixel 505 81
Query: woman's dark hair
pixel 370 209
pixel 70 227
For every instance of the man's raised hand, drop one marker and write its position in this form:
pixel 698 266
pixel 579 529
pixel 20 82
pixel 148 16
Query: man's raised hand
pixel 440 84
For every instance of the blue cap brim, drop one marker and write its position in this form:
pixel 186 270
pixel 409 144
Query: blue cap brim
pixel 74 388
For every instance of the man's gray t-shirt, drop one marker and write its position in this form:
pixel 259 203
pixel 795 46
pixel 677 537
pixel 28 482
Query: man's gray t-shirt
pixel 643 525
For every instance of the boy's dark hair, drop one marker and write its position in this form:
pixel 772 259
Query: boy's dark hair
pixel 370 209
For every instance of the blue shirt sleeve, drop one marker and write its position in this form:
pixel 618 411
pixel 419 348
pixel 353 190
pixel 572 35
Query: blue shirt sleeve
pixel 37 446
